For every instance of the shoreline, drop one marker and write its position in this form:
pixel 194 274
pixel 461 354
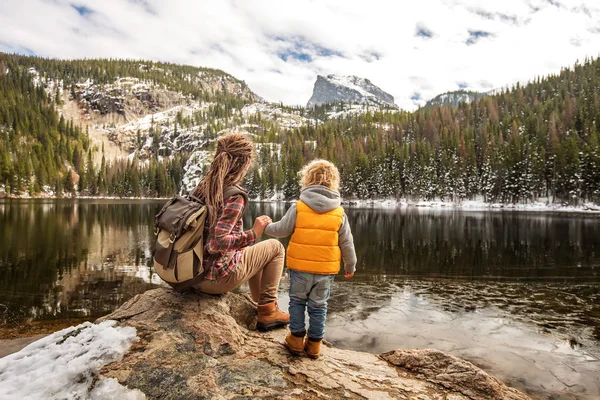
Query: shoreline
pixel 466 205
pixel 474 205
pixel 38 327
pixel 11 346
pixel 15 338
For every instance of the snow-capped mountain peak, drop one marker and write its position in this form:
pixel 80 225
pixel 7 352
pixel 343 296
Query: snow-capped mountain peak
pixel 348 89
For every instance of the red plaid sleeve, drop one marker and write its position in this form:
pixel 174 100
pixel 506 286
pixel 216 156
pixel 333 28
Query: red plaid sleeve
pixel 226 237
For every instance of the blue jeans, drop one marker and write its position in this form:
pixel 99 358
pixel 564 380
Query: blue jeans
pixel 310 290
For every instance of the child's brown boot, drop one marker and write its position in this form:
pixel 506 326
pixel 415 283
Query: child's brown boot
pixel 312 348
pixel 295 344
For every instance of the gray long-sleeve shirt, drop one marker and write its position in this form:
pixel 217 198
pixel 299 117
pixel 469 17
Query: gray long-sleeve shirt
pixel 321 199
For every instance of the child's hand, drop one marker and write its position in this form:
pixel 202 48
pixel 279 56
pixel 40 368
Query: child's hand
pixel 260 224
pixel 348 275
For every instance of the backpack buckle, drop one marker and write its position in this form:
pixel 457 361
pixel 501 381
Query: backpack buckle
pixel 156 231
pixel 172 238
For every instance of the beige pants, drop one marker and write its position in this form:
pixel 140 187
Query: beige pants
pixel 261 266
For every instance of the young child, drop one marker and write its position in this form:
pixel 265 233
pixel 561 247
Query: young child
pixel 321 237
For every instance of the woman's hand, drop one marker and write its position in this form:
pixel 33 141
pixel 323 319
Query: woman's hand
pixel 348 275
pixel 260 224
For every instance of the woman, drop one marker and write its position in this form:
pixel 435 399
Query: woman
pixel 230 255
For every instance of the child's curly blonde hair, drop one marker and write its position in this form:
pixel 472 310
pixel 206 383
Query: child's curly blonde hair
pixel 320 172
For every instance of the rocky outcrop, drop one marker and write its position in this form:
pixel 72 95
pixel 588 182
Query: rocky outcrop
pixel 348 89
pixel 128 98
pixel 196 346
pixel 451 373
pixel 454 98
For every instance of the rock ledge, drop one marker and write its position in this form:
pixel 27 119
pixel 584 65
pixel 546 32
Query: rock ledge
pixel 196 346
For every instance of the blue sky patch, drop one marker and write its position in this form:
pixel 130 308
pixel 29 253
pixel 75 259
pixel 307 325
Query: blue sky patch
pixel 325 52
pixel 475 36
pixel 423 32
pixel 415 96
pixel 7 48
pixel 300 56
pixel 257 43
pixel 82 10
pixel 298 48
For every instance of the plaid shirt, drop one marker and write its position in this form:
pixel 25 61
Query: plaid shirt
pixel 227 241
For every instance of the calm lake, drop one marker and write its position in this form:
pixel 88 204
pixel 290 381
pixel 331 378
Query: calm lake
pixel 516 293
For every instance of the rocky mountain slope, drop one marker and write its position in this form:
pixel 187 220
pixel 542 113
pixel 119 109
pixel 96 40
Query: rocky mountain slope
pixel 201 346
pixel 348 89
pixel 454 98
pixel 141 118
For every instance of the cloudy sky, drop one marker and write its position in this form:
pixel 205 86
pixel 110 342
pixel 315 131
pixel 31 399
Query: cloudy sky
pixel 411 49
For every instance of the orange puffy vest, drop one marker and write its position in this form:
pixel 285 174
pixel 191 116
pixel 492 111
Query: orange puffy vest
pixel 314 246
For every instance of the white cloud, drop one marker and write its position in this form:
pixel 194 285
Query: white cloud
pixel 278 47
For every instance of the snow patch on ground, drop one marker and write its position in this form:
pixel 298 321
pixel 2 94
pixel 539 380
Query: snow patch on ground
pixel 112 389
pixel 346 110
pixel 50 86
pixel 172 139
pixel 193 169
pixel 272 112
pixel 162 118
pixel 274 148
pixel 114 90
pixel 312 144
pixel 65 364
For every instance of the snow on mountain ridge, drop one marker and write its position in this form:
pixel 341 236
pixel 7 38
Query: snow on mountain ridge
pixel 353 82
pixel 348 89
pixel 454 98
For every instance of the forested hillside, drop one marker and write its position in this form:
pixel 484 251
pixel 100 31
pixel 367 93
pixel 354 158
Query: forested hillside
pixel 535 140
pixel 43 152
pixel 34 142
pixel 540 139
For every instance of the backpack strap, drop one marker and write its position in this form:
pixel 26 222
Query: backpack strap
pixel 236 190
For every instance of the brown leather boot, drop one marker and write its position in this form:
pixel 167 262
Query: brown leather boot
pixel 294 344
pixel 312 348
pixel 271 317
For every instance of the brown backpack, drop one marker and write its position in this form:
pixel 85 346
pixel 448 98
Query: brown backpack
pixel 179 229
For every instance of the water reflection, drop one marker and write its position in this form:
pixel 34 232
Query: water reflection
pixel 486 244
pixel 472 244
pixel 537 337
pixel 61 259
pixel 516 293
